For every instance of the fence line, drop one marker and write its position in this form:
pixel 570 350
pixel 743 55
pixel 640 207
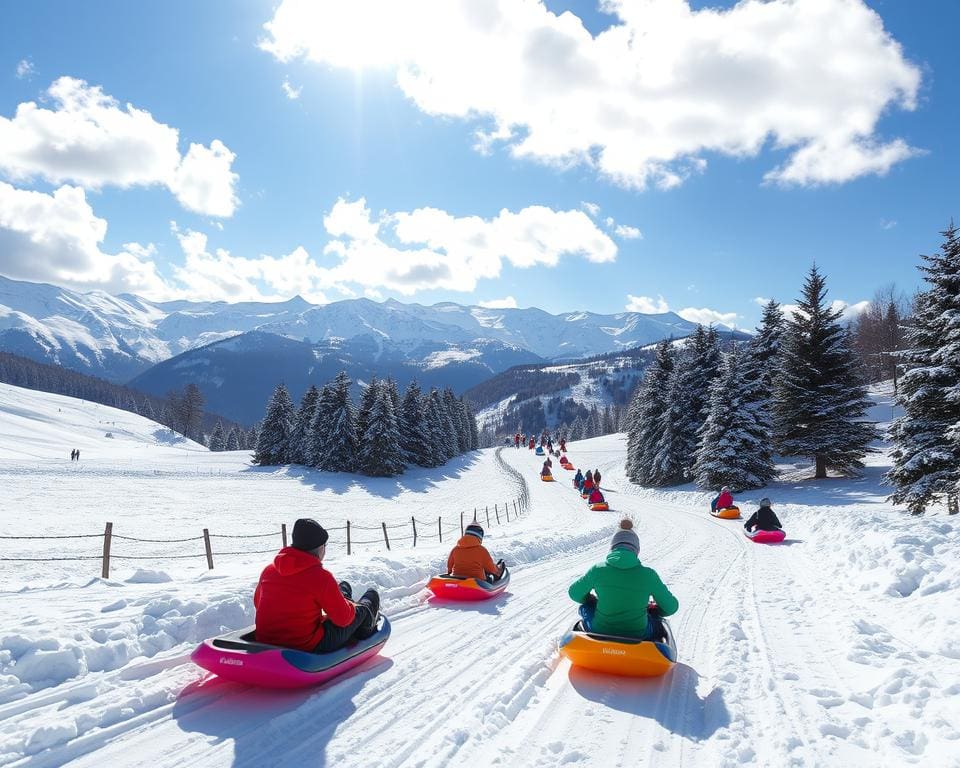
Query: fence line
pixel 429 530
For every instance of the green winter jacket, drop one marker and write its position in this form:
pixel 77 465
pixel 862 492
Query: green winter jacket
pixel 623 587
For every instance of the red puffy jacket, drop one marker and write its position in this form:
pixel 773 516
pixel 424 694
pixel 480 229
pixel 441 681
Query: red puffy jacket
pixel 596 497
pixel 294 596
pixel 725 500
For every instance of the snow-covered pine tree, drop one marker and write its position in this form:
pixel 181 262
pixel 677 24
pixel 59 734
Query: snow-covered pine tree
pixel 451 444
pixel 820 399
pixel 252 435
pixel 320 426
pixel 413 439
pixel 734 445
pixel 669 457
pixel 233 439
pixel 576 431
pixel 765 346
pixel 338 434
pixel 609 426
pixel 146 410
pixel 300 443
pixel 367 398
pixel 273 442
pixel 438 428
pixel 700 364
pixel 380 453
pixel 218 440
pixel 472 424
pixel 645 424
pixel 463 424
pixel 926 454
pixel 458 443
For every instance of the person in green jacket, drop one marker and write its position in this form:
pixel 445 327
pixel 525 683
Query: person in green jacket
pixel 614 595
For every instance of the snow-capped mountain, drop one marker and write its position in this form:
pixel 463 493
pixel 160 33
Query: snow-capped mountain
pixel 118 337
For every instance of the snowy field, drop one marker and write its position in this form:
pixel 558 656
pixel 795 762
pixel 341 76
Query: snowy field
pixel 839 647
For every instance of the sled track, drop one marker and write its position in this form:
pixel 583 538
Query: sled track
pixel 516 477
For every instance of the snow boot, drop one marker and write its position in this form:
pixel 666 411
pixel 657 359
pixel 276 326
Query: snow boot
pixel 370 601
pixel 346 590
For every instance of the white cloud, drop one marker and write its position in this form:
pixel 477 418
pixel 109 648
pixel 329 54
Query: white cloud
pixel 592 208
pixel 848 311
pixel 647 305
pixel 24 69
pixel 431 249
pixel 57 237
pixel 644 101
pixel 627 232
pixel 290 91
pixel 887 223
pixel 761 301
pixel 88 139
pixel 508 302
pixel 706 316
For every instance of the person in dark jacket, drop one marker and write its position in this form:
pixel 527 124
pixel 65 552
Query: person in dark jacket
pixel 299 603
pixel 764 519
pixel 578 479
pixel 596 477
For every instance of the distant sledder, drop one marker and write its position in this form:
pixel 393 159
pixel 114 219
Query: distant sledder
pixel 307 628
pixel 619 632
pixel 722 506
pixel 596 500
pixel 471 573
pixel 764 526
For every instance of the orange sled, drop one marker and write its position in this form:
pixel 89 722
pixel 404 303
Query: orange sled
pixel 599 506
pixel 619 655
pixel 453 588
pixel 727 513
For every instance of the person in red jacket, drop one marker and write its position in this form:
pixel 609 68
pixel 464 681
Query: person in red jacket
pixel 299 603
pixel 596 497
pixel 723 501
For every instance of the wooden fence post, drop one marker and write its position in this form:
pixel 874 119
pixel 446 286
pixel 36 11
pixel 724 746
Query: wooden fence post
pixel 348 537
pixel 507 510
pixel 385 537
pixel 283 533
pixel 206 545
pixel 515 514
pixel 461 523
pixel 497 513
pixel 413 522
pixel 440 528
pixel 488 516
pixel 474 514
pixel 107 537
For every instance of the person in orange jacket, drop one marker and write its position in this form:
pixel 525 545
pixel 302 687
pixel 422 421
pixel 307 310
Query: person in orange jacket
pixel 471 560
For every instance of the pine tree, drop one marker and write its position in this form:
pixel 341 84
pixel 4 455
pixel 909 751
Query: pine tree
pixel 699 365
pixel 450 443
pixel 380 454
pixel 472 424
pixel 576 431
pixel 273 442
pixel 669 457
pixel 414 438
pixel 645 423
pixel 252 435
pixel 819 399
pixel 300 443
pixel 146 410
pixel 367 398
pixel 319 427
pixel 734 445
pixel 437 429
pixel 764 359
pixel 926 455
pixel 218 441
pixel 338 435
pixel 233 439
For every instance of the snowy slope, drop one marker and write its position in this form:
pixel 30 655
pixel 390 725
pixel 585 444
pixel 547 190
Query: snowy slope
pixel 835 649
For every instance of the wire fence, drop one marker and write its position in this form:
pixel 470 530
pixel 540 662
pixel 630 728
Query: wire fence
pixel 389 534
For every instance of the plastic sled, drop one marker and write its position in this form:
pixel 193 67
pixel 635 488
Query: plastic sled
pixel 539 451
pixel 766 537
pixel 467 589
pixel 599 506
pixel 615 655
pixel 547 478
pixel 239 657
pixel 727 513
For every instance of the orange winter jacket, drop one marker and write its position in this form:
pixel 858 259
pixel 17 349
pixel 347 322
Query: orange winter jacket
pixel 470 559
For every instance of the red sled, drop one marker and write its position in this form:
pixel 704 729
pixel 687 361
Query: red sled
pixel 449 587
pixel 766 537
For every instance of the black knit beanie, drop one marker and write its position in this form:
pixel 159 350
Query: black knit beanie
pixel 308 534
pixel 474 529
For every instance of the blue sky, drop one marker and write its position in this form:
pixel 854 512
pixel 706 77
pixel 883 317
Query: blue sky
pixel 715 234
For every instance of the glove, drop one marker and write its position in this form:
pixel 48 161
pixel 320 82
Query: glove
pixel 590 600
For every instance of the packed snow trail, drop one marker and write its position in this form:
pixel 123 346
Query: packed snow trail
pixel 795 654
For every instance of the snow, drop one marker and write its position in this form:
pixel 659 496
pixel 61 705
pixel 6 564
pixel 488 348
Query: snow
pixel 837 647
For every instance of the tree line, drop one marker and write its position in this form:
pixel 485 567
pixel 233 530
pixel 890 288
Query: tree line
pixel 718 417
pixel 380 438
